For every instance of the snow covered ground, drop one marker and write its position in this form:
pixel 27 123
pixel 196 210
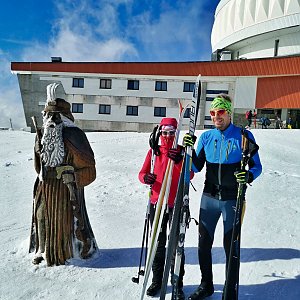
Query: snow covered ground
pixel 116 204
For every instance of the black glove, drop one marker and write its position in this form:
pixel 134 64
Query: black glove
pixel 189 140
pixel 149 178
pixel 175 155
pixel 243 176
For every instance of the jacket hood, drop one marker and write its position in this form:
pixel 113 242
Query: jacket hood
pixel 169 121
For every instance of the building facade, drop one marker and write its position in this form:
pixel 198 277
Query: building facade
pixel 135 96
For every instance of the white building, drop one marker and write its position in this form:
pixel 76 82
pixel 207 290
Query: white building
pixel 256 28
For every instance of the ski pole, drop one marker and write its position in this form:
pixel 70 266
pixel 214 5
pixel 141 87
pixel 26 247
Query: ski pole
pixel 234 256
pixel 249 148
pixel 145 233
pixel 146 229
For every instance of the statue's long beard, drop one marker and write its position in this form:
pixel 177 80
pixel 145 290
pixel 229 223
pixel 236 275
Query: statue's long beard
pixel 53 151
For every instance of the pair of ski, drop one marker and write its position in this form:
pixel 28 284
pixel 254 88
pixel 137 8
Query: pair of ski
pixel 181 213
pixel 181 206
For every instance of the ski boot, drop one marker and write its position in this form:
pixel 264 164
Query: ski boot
pixel 203 291
pixel 153 289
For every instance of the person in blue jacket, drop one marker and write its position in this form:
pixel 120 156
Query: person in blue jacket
pixel 220 149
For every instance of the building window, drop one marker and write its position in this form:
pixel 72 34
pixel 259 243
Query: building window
pixel 132 111
pixel 187 113
pixel 105 83
pixel 267 111
pixel 77 108
pixel 159 111
pixel 160 85
pixel 210 98
pixel 104 109
pixel 188 86
pixel 133 85
pixel 216 92
pixel 208 126
pixel 78 82
pixel 276 46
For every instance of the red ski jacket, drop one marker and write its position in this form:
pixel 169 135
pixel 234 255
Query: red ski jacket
pixel 160 166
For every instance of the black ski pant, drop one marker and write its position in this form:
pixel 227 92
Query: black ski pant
pixel 159 259
pixel 210 211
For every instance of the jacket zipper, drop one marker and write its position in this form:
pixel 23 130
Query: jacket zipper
pixel 215 148
pixel 227 149
pixel 220 164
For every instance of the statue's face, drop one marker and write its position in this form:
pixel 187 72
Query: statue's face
pixel 52 119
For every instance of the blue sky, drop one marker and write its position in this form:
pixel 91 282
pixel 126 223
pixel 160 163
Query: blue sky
pixel 103 30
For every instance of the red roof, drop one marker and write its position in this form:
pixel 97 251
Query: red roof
pixel 249 67
pixel 278 92
pixel 281 88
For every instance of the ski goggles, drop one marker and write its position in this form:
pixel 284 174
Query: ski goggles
pixel 168 132
pixel 218 112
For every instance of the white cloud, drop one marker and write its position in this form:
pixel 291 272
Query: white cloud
pixel 75 47
pixel 10 102
pixel 84 33
pixel 179 33
pixel 112 30
pixel 11 108
pixel 80 33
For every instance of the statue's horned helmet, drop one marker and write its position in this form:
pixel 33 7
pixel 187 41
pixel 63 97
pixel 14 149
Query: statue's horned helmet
pixel 54 104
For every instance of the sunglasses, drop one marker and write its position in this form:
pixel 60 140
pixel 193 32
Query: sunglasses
pixel 170 132
pixel 219 112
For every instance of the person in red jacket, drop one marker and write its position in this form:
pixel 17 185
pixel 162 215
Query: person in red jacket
pixel 167 132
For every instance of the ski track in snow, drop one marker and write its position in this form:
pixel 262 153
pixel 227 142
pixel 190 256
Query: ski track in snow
pixel 116 203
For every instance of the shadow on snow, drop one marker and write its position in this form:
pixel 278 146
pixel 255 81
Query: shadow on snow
pixel 277 289
pixel 129 257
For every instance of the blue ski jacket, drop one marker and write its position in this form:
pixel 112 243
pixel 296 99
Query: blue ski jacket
pixel 222 153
